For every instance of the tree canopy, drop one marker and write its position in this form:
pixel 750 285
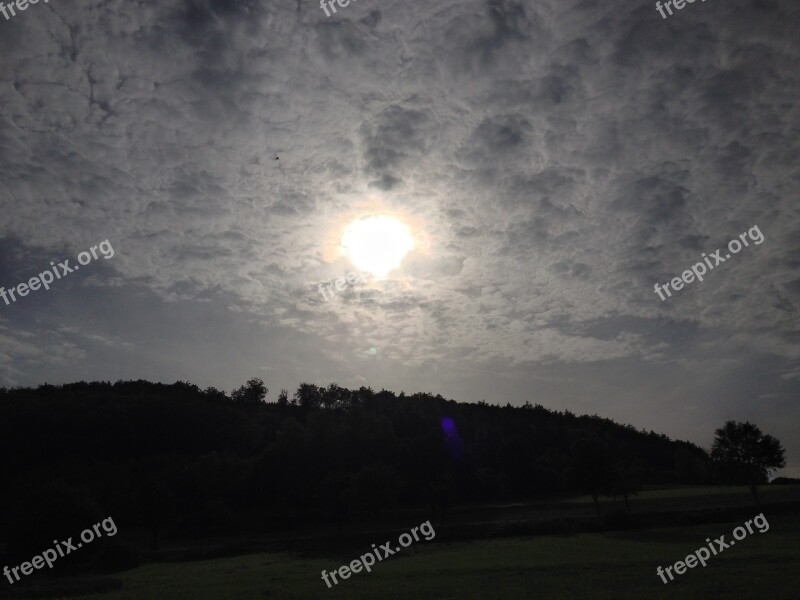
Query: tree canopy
pixel 746 455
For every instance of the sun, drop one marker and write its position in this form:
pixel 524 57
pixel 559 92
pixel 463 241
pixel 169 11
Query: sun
pixel 377 244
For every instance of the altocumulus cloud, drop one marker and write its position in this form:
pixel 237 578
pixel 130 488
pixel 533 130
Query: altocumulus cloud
pixel 561 156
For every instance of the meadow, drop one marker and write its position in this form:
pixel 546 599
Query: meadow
pixel 607 565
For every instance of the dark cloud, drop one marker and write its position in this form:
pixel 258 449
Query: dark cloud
pixel 393 139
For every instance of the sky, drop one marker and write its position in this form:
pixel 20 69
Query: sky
pixel 552 160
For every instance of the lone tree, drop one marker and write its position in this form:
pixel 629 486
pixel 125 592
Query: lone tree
pixel 746 455
pixel 627 477
pixel 592 468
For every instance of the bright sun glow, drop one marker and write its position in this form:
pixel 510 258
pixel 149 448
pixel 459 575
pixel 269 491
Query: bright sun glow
pixel 377 244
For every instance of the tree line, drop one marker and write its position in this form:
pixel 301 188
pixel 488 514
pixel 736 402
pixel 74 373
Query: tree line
pixel 192 462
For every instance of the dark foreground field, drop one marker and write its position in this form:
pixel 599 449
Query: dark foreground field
pixel 587 566
pixel 608 565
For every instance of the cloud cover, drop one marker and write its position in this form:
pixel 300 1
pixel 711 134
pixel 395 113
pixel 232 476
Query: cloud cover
pixel 556 159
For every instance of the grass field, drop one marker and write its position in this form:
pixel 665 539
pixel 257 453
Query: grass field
pixel 739 493
pixel 587 566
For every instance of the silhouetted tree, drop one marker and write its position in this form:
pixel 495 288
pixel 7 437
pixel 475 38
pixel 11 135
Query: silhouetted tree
pixel 283 398
pixel 691 466
pixel 177 459
pixel 627 478
pixel 335 396
pixel 592 468
pixel 746 455
pixel 214 394
pixel 253 393
pixel 785 481
pixel 308 396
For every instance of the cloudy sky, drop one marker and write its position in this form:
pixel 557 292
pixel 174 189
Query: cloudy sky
pixel 552 160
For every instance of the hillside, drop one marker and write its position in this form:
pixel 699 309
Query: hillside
pixel 177 459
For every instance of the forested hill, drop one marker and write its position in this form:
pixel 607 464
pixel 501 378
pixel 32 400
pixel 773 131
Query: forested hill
pixel 162 453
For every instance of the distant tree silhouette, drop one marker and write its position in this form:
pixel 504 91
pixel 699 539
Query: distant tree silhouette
pixel 253 393
pixel 627 478
pixel 745 455
pixel 283 398
pixel 785 481
pixel 308 396
pixel 690 466
pixel 214 394
pixel 335 396
pixel 176 460
pixel 593 468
